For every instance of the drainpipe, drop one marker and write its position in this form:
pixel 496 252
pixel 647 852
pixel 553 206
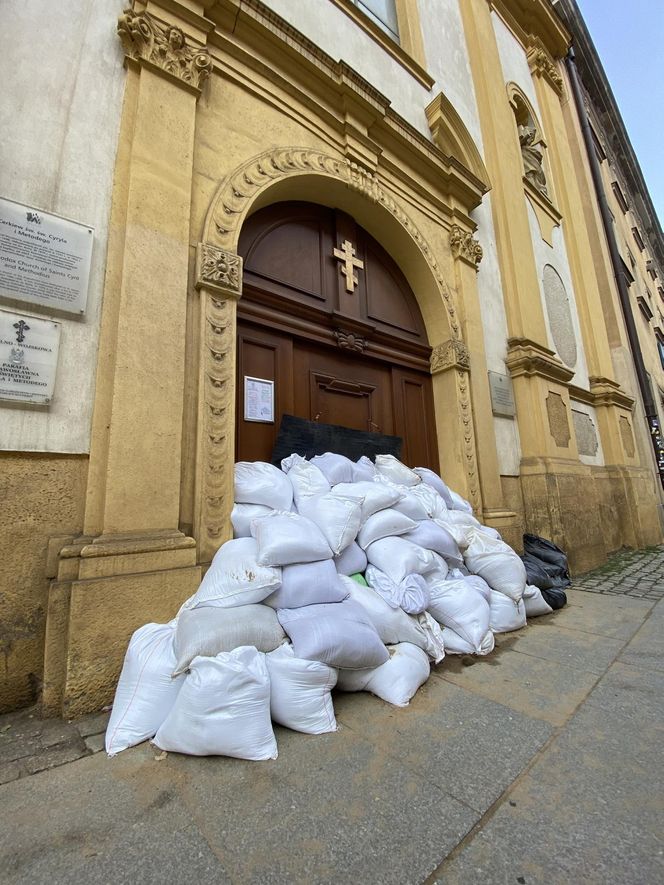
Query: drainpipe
pixel 652 417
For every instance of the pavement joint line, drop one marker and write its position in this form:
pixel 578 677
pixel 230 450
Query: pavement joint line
pixel 525 771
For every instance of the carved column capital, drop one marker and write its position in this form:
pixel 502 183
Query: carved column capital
pixel 465 246
pixel 451 354
pixel 218 270
pixel 542 65
pixel 164 48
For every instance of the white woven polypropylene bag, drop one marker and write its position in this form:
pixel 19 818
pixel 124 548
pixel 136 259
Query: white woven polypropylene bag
pixel 374 496
pixel 506 614
pixel 257 482
pixel 395 681
pixel 209 631
pixel 300 692
pixel 455 645
pixel 286 538
pixel 335 468
pixel 352 561
pixel 235 577
pixel 223 709
pixel 146 690
pixel 307 583
pixel 432 479
pixel 384 524
pixel 456 605
pixel 363 470
pixel 497 563
pixel 535 604
pixel 393 625
pixel 433 536
pixel 391 468
pixel 398 558
pixel 241 516
pixel 305 478
pixel 337 517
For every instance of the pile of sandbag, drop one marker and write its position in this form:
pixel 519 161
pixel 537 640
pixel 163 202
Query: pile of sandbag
pixel 357 575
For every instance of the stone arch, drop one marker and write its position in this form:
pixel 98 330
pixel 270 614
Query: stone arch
pixel 304 174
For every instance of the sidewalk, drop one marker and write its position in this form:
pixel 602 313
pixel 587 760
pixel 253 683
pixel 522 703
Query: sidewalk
pixel 541 763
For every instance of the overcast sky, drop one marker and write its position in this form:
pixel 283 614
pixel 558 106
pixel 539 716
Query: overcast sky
pixel 629 37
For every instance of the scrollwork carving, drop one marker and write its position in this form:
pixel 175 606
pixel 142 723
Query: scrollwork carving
pixel 543 65
pixel 350 341
pixel 464 245
pixel 220 270
pixel 147 39
pixel 466 415
pixel 451 354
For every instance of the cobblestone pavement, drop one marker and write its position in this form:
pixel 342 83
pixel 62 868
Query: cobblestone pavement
pixel 637 573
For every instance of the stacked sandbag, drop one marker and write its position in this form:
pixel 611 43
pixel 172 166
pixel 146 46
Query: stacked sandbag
pixel 277 621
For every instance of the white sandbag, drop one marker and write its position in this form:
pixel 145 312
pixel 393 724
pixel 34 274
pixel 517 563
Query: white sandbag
pixel 352 561
pixel 534 603
pixel 456 605
pixel 235 577
pixel 374 496
pixel 506 614
pixel 395 681
pixel 309 583
pixel 398 558
pixel 337 517
pixel 384 524
pixel 146 690
pixel 411 505
pixel 412 594
pixel 459 503
pixel 208 631
pixel 435 646
pixel 223 709
pixel 432 479
pixel 497 563
pixel 433 503
pixel 363 470
pixel 340 635
pixel 300 692
pixel 241 516
pixel 478 584
pixel 433 536
pixel 438 571
pixel 393 470
pixel 335 468
pixel 285 538
pixel 257 482
pixel 304 477
pixel 490 532
pixel 393 625
pixel 455 645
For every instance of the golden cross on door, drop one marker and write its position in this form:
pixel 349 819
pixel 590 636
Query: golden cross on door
pixel 347 255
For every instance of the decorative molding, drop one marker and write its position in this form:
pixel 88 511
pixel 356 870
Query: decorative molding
pixel 451 354
pixel 452 137
pixel 465 246
pixel 466 415
pixel 587 442
pixel 350 341
pixel 239 190
pixel 218 423
pixel 542 65
pixel 606 392
pixel 526 357
pixel 163 47
pixel 218 270
pixel 558 421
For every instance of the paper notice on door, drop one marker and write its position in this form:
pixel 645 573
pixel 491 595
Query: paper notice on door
pixel 258 399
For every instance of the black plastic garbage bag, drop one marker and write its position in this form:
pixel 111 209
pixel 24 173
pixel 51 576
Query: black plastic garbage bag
pixel 556 597
pixel 536 573
pixel 545 550
pixel 542 557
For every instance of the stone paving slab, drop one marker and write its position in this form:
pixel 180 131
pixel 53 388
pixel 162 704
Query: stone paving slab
pixel 637 573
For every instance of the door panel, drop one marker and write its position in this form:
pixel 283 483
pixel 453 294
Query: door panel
pixel 413 412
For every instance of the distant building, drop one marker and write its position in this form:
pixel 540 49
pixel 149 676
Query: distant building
pixel 383 212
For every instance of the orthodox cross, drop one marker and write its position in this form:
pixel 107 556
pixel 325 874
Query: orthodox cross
pixel 347 255
pixel 22 328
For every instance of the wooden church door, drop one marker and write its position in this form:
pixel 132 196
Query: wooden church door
pixel 328 318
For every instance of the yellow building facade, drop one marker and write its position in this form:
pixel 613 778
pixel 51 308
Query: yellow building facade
pixel 446 133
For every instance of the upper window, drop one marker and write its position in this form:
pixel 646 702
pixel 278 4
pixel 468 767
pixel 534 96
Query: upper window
pixel 383 13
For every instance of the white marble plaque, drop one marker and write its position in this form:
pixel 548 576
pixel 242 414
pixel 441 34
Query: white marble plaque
pixel 28 358
pixel 44 259
pixel 502 395
pixel 258 399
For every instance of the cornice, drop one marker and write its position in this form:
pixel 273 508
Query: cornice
pixel 608 393
pixel 526 357
pixel 536 18
pixel 542 65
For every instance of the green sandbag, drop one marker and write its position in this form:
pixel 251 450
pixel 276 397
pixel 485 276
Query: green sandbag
pixel 360 579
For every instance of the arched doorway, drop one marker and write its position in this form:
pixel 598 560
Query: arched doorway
pixel 327 315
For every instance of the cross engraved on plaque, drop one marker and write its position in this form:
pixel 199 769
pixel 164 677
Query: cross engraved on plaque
pixel 347 255
pixel 21 328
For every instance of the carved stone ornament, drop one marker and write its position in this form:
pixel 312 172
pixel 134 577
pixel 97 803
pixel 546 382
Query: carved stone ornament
pixel 451 354
pixel 350 341
pixel 239 191
pixel 558 421
pixel 164 46
pixel 543 65
pixel 464 245
pixel 219 270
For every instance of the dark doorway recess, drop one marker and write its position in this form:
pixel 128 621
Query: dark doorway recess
pixel 358 359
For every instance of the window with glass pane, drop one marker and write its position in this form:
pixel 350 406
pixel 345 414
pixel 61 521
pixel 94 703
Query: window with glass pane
pixel 383 13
